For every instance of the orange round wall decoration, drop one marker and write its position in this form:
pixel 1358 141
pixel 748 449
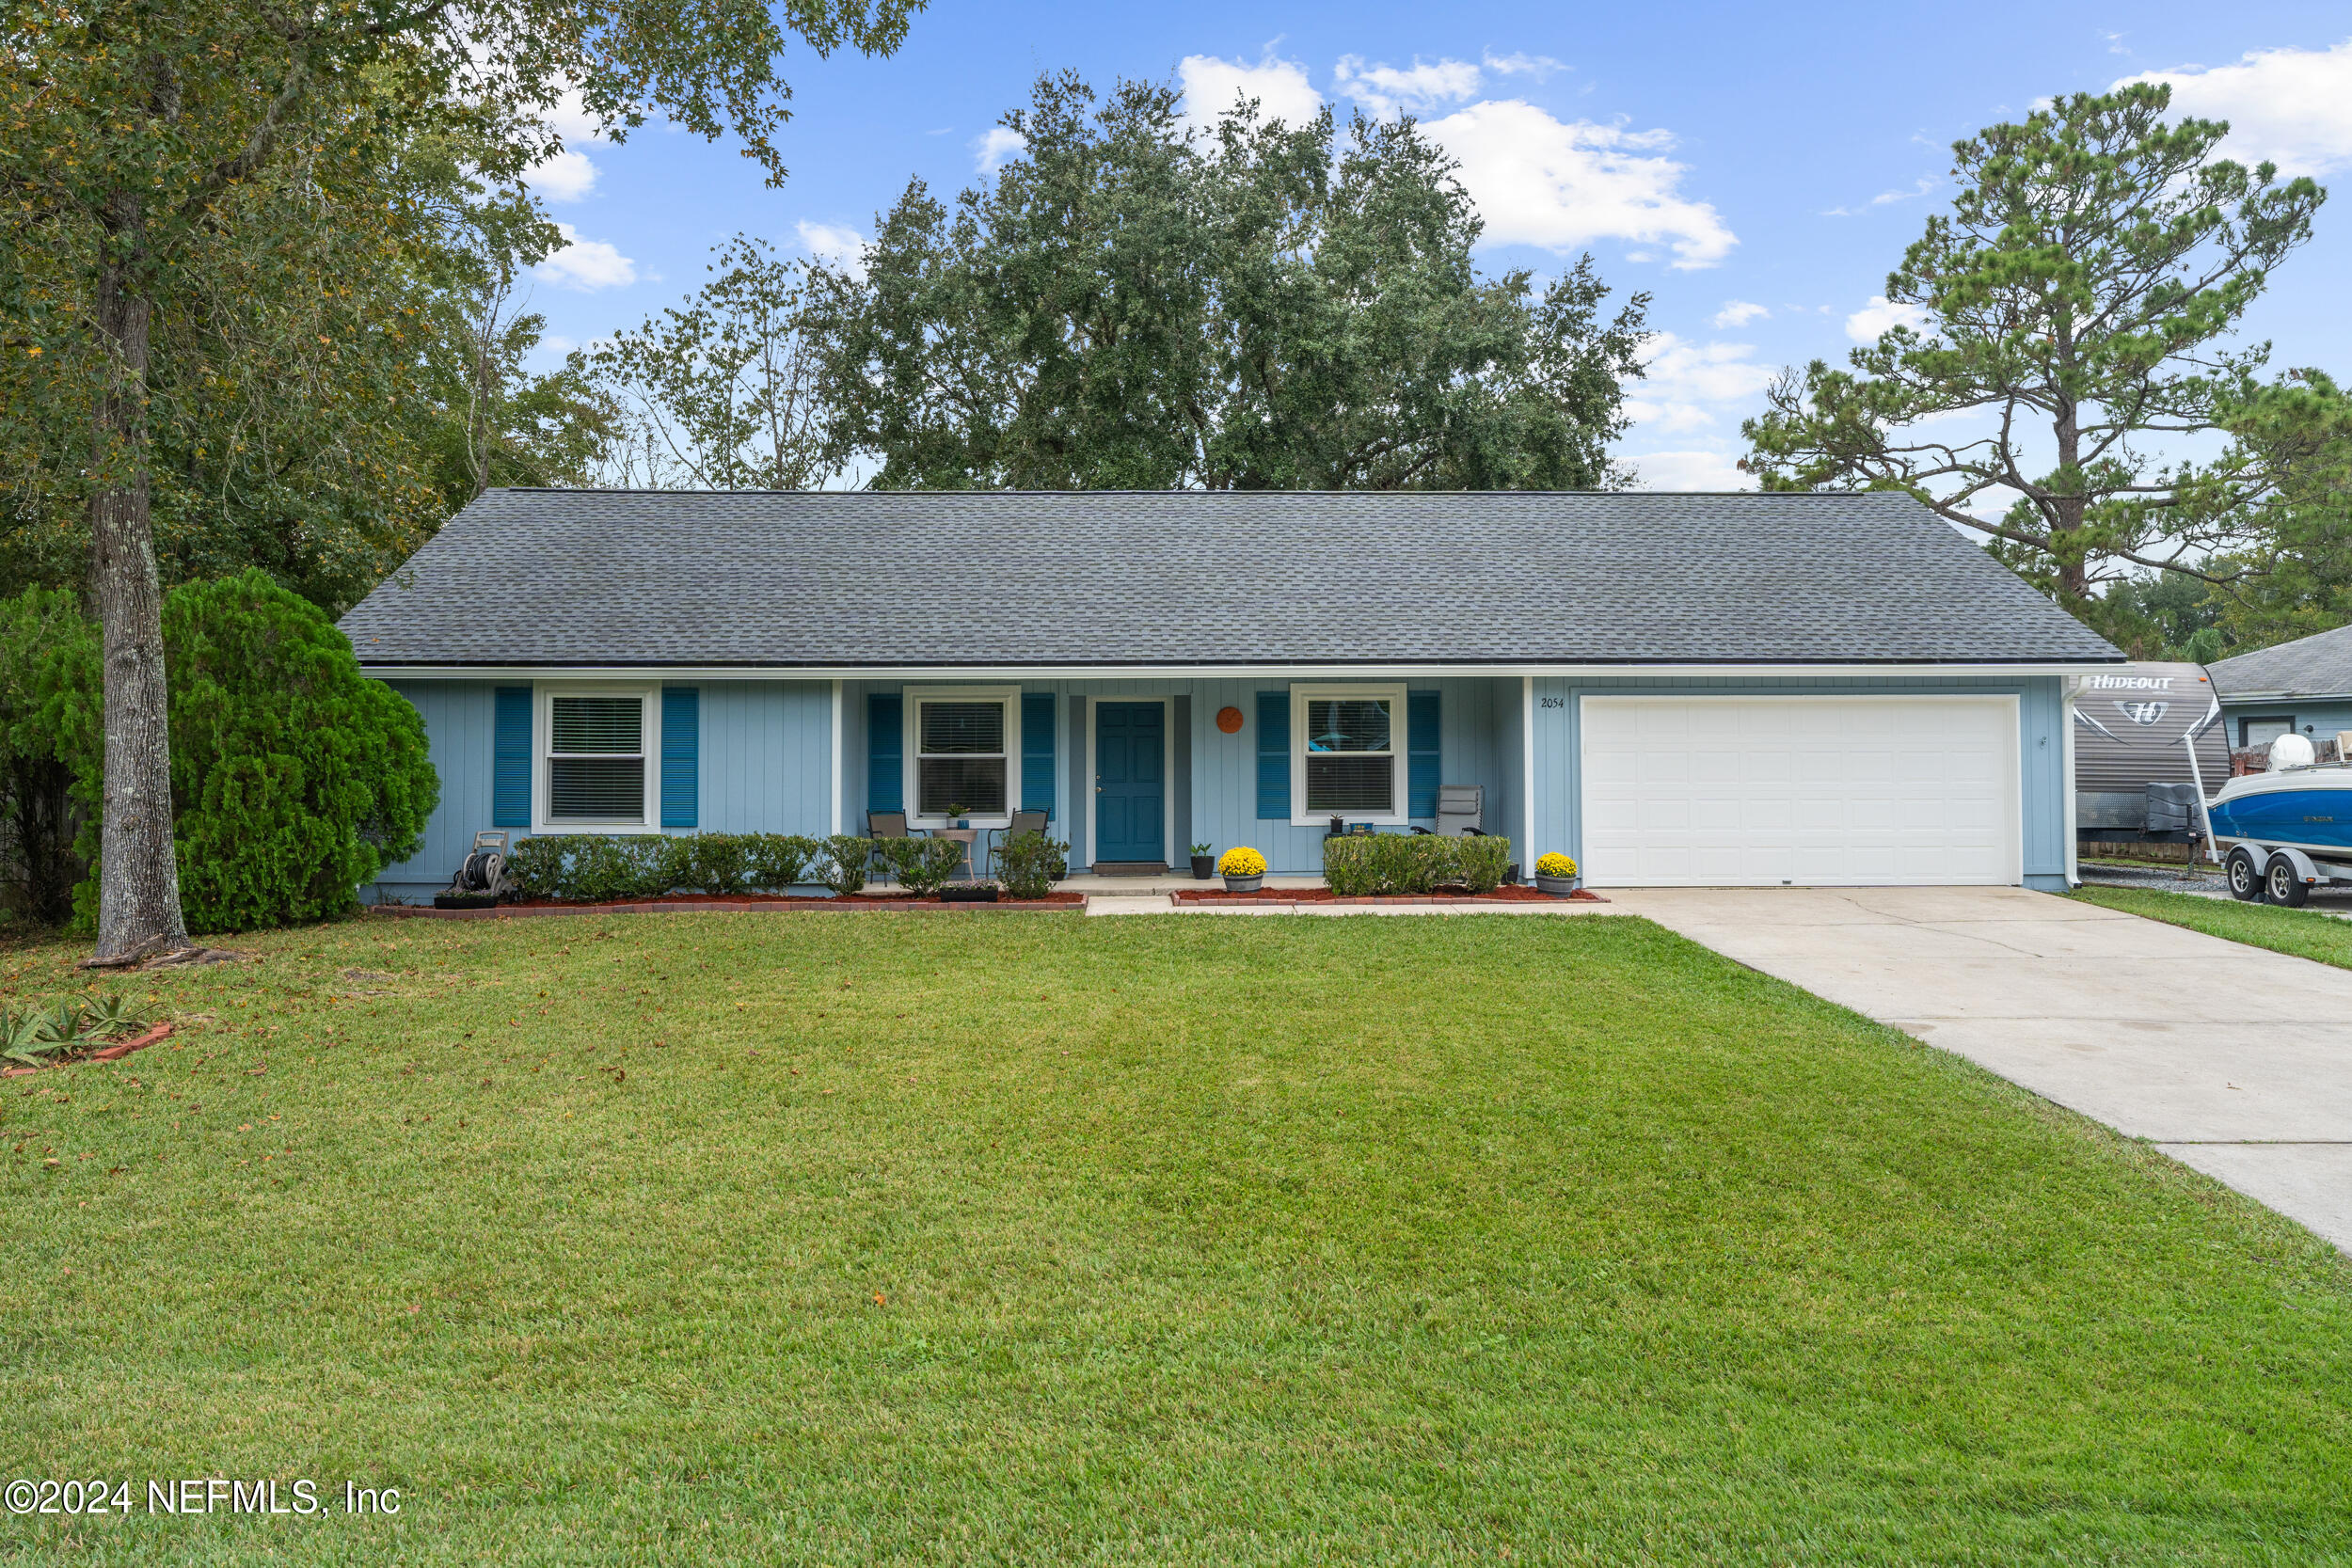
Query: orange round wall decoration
pixel 1228 719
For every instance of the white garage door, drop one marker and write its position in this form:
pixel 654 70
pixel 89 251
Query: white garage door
pixel 1829 791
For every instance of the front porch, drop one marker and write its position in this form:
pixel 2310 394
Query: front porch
pixel 1135 772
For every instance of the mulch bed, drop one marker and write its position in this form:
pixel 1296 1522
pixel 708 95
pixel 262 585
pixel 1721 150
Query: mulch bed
pixel 1325 896
pixel 113 1053
pixel 689 903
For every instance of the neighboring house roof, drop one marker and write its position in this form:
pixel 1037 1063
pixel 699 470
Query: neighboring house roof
pixel 2317 666
pixel 868 578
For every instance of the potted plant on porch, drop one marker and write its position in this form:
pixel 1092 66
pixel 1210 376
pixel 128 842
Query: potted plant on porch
pixel 1203 863
pixel 1555 874
pixel 1244 869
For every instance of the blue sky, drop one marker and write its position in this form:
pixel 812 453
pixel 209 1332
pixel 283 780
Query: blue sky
pixel 1757 169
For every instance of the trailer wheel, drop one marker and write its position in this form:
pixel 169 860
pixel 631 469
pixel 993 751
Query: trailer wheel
pixel 2246 883
pixel 2284 885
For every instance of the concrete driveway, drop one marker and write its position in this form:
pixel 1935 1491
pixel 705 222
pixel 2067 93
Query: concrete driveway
pixel 2230 1059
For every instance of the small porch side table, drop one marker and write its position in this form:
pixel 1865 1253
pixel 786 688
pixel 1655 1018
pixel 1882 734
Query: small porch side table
pixel 965 836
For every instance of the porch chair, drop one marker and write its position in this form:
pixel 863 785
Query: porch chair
pixel 879 826
pixel 1022 822
pixel 1461 810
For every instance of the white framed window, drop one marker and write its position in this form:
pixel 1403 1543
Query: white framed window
pixel 599 763
pixel 962 748
pixel 1347 754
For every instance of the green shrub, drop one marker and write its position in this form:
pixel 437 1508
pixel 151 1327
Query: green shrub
pixel 50 740
pixel 842 867
pixel 1388 864
pixel 923 865
pixel 1480 862
pixel 778 862
pixel 597 868
pixel 294 778
pixel 719 863
pixel 1032 864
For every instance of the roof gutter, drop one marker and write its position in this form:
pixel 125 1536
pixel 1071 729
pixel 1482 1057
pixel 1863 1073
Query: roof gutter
pixel 391 671
pixel 2284 696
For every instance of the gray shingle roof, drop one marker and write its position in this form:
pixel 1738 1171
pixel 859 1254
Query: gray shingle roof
pixel 872 578
pixel 2317 666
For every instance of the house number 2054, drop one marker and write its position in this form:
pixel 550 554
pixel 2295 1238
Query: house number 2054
pixel 1553 701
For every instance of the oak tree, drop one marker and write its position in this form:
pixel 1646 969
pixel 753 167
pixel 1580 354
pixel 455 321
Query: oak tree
pixel 125 131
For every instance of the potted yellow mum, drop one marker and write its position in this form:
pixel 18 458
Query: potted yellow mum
pixel 1555 874
pixel 1243 868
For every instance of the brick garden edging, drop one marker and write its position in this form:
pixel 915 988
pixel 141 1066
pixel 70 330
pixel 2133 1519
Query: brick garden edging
pixel 738 905
pixel 112 1053
pixel 1283 899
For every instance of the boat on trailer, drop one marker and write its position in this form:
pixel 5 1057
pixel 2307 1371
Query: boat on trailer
pixel 2281 834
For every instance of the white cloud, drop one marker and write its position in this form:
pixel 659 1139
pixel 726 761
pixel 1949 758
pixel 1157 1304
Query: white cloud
pixel 1280 87
pixel 998 145
pixel 567 176
pixel 835 246
pixel 2291 106
pixel 1689 470
pixel 1538 66
pixel 1563 184
pixel 571 119
pixel 586 265
pixel 1737 314
pixel 1386 91
pixel 1884 199
pixel 1881 315
pixel 1681 379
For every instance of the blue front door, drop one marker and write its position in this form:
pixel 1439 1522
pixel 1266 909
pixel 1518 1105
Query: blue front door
pixel 1130 782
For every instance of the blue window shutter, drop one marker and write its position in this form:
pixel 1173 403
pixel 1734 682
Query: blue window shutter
pixel 885 751
pixel 1424 766
pixel 510 757
pixel 681 755
pixel 1274 756
pixel 1037 750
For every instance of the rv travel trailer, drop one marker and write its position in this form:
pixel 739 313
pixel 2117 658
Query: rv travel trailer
pixel 2134 778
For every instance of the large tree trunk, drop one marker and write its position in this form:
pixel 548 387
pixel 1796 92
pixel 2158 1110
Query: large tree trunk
pixel 138 879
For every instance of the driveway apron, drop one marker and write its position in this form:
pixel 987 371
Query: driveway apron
pixel 2233 1060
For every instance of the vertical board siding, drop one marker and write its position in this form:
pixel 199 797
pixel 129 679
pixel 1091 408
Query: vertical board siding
pixel 462 731
pixel 766 757
pixel 510 805
pixel 1179 721
pixel 681 755
pixel 2041 758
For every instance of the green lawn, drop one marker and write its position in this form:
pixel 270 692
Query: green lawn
pixel 1033 1239
pixel 2305 933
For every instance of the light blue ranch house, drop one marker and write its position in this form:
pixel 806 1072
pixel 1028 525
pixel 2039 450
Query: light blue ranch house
pixel 1696 689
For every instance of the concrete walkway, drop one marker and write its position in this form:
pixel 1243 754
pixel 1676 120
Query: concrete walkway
pixel 2231 1059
